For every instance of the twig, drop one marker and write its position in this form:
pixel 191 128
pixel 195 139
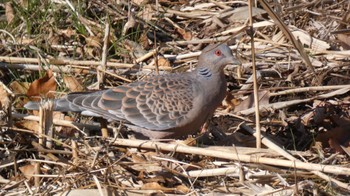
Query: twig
pixel 284 104
pixel 54 61
pixel 101 75
pixel 114 75
pixel 199 41
pixel 269 143
pixel 147 56
pixel 308 89
pixel 75 125
pixel 255 81
pixel 229 171
pixel 231 156
pixel 289 36
pixel 266 141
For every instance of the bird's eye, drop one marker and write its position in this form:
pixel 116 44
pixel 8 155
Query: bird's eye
pixel 218 53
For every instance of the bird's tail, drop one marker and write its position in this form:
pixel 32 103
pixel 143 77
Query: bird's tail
pixel 62 105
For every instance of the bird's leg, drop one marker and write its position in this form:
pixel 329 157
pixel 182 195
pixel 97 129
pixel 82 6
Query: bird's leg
pixel 104 128
pixel 208 128
pixel 204 128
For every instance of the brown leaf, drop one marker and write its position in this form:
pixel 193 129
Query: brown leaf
pixel 24 3
pixel 242 13
pixel 130 24
pixel 4 97
pixel 249 102
pixel 94 41
pixel 182 188
pixel 68 32
pixel 141 164
pixel 147 13
pixel 287 33
pixel 344 36
pixel 163 62
pixel 54 39
pixel 24 40
pixel 334 144
pixel 138 2
pixel 27 170
pixel 19 87
pixel 187 35
pixel 230 102
pixel 28 124
pixel 152 186
pixel 138 159
pixel 344 41
pixel 42 86
pixel 144 40
pixel 9 13
pixel 72 84
pixel 134 48
pixel 335 138
pixel 63 131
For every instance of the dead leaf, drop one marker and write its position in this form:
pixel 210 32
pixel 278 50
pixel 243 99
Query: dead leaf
pixel 139 2
pixel 91 52
pixel 186 35
pixel 287 33
pixel 242 13
pixel 130 24
pixel 163 62
pixel 28 124
pixel 344 41
pixel 94 41
pixel 28 170
pixel 68 32
pixel 19 87
pixel 63 131
pixel 144 40
pixel 152 186
pixel 4 97
pixel 25 40
pixel 336 138
pixel 9 13
pixel 54 39
pixel 137 158
pixel 264 97
pixel 147 13
pixel 72 84
pixel 24 3
pixel 344 33
pixel 230 102
pixel 141 164
pixel 42 86
pixel 182 188
pixel 315 44
pixel 135 49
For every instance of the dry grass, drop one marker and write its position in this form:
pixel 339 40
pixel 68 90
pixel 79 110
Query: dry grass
pixel 302 54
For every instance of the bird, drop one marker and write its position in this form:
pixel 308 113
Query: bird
pixel 166 106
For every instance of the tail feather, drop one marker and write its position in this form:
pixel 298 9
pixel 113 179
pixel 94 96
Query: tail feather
pixel 31 105
pixel 59 105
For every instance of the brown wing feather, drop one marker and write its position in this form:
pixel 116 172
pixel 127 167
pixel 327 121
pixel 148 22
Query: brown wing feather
pixel 159 103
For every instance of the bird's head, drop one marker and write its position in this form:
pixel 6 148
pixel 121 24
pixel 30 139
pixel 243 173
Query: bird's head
pixel 215 57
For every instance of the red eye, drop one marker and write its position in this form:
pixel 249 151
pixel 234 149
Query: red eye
pixel 218 53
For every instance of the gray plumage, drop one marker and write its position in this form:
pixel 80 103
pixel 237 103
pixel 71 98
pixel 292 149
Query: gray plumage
pixel 163 106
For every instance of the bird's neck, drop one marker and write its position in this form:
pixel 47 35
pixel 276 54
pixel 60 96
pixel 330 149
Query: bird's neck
pixel 208 74
pixel 214 81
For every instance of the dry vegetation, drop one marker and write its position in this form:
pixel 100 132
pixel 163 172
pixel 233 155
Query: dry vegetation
pixel 302 53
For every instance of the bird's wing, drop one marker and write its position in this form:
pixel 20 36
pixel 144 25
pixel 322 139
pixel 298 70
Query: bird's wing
pixel 157 103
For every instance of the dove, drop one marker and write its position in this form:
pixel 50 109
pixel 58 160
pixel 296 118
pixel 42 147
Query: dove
pixel 162 106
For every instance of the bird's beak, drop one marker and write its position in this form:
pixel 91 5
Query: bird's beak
pixel 231 60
